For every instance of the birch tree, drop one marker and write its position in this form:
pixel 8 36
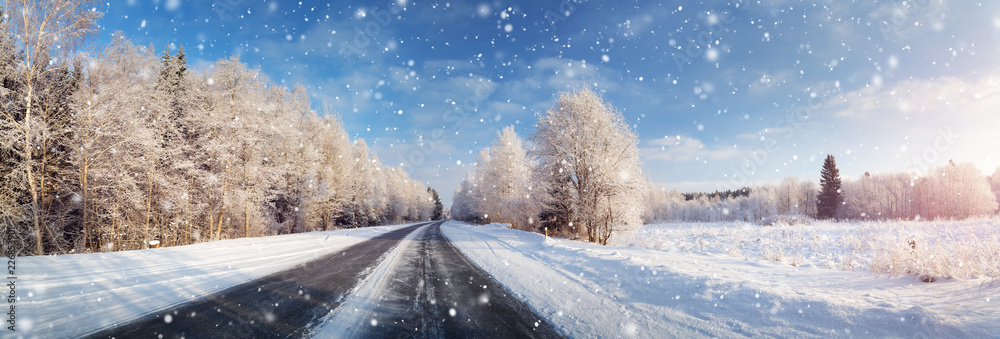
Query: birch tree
pixel 45 33
pixel 589 139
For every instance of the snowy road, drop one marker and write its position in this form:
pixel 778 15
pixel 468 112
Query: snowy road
pixel 408 282
pixel 427 288
pixel 278 305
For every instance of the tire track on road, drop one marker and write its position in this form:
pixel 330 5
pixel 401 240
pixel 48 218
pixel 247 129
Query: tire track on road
pixel 436 291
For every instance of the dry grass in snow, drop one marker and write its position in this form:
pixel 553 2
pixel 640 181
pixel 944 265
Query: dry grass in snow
pixel 928 250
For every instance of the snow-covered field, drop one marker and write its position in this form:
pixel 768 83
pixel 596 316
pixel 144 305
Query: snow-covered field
pixel 71 295
pixel 588 290
pixel 965 250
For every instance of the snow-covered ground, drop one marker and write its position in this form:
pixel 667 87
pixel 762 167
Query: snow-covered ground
pixel 585 290
pixel 71 295
pixel 588 290
pixel 966 250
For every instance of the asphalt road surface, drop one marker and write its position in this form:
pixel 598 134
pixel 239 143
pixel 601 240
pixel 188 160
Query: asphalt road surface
pixel 283 304
pixel 437 292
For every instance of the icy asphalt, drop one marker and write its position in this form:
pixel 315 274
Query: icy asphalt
pixel 437 292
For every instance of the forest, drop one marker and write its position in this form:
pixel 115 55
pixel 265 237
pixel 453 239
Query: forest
pixel 953 191
pixel 114 147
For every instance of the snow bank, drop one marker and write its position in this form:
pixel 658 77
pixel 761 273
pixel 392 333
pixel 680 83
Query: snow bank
pixel 588 290
pixel 71 295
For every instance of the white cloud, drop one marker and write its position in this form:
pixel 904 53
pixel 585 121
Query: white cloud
pixel 562 74
pixel 172 5
pixel 944 97
pixel 684 149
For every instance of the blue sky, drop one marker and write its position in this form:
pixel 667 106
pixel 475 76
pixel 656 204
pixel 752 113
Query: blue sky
pixel 721 93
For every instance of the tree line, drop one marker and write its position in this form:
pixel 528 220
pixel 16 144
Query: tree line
pixel 952 191
pixel 109 149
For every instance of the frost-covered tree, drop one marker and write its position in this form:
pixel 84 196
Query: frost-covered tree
pixel 995 184
pixel 12 189
pixel 878 196
pixel 810 196
pixel 44 36
pixel 790 196
pixel 555 203
pixel 830 198
pixel 505 175
pixel 956 191
pixel 400 206
pixel 762 202
pixel 366 190
pixel 116 148
pixel 333 172
pixel 589 139
pixel 463 203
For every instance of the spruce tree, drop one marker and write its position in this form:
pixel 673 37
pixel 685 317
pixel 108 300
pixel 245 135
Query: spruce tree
pixel 830 196
pixel 438 206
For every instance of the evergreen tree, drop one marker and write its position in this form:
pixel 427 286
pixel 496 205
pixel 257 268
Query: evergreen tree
pixel 830 196
pixel 438 206
pixel 180 67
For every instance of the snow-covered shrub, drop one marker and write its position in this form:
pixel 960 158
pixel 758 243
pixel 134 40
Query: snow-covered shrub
pixel 786 220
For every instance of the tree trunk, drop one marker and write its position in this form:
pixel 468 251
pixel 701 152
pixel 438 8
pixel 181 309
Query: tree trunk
pixel 36 216
pixel 149 205
pixel 211 211
pixel 222 202
pixel 246 206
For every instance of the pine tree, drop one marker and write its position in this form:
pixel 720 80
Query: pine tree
pixel 830 196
